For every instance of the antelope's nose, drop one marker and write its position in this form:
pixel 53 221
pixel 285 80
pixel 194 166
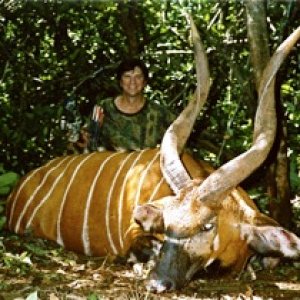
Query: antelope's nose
pixel 160 285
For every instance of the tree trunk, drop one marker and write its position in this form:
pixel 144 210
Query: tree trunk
pixel 277 179
pixel 258 37
pixel 130 20
pixel 280 206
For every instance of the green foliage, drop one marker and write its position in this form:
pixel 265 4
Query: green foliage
pixel 7 181
pixel 295 173
pixel 18 263
pixel 93 297
pixel 52 50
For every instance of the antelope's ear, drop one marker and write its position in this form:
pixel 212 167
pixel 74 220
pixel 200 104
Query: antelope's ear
pixel 271 240
pixel 149 217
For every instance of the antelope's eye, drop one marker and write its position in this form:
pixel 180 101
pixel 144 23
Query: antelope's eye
pixel 207 227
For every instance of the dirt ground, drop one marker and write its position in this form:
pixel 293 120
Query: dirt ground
pixel 35 269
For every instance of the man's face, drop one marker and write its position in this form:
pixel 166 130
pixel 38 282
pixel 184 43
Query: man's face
pixel 133 82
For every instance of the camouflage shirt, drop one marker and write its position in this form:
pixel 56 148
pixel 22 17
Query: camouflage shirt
pixel 121 131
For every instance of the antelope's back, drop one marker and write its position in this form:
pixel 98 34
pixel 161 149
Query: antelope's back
pixel 85 202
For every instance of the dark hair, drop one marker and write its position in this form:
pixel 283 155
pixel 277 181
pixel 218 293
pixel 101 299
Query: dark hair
pixel 129 64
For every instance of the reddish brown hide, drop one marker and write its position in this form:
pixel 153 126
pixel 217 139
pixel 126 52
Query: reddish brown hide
pixel 85 202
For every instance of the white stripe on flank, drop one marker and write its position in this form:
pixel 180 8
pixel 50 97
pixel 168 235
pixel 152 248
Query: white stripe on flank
pixel 35 192
pixel 155 190
pixel 142 179
pixel 56 181
pixel 59 239
pixel 85 227
pixel 12 210
pixel 121 198
pixel 112 187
